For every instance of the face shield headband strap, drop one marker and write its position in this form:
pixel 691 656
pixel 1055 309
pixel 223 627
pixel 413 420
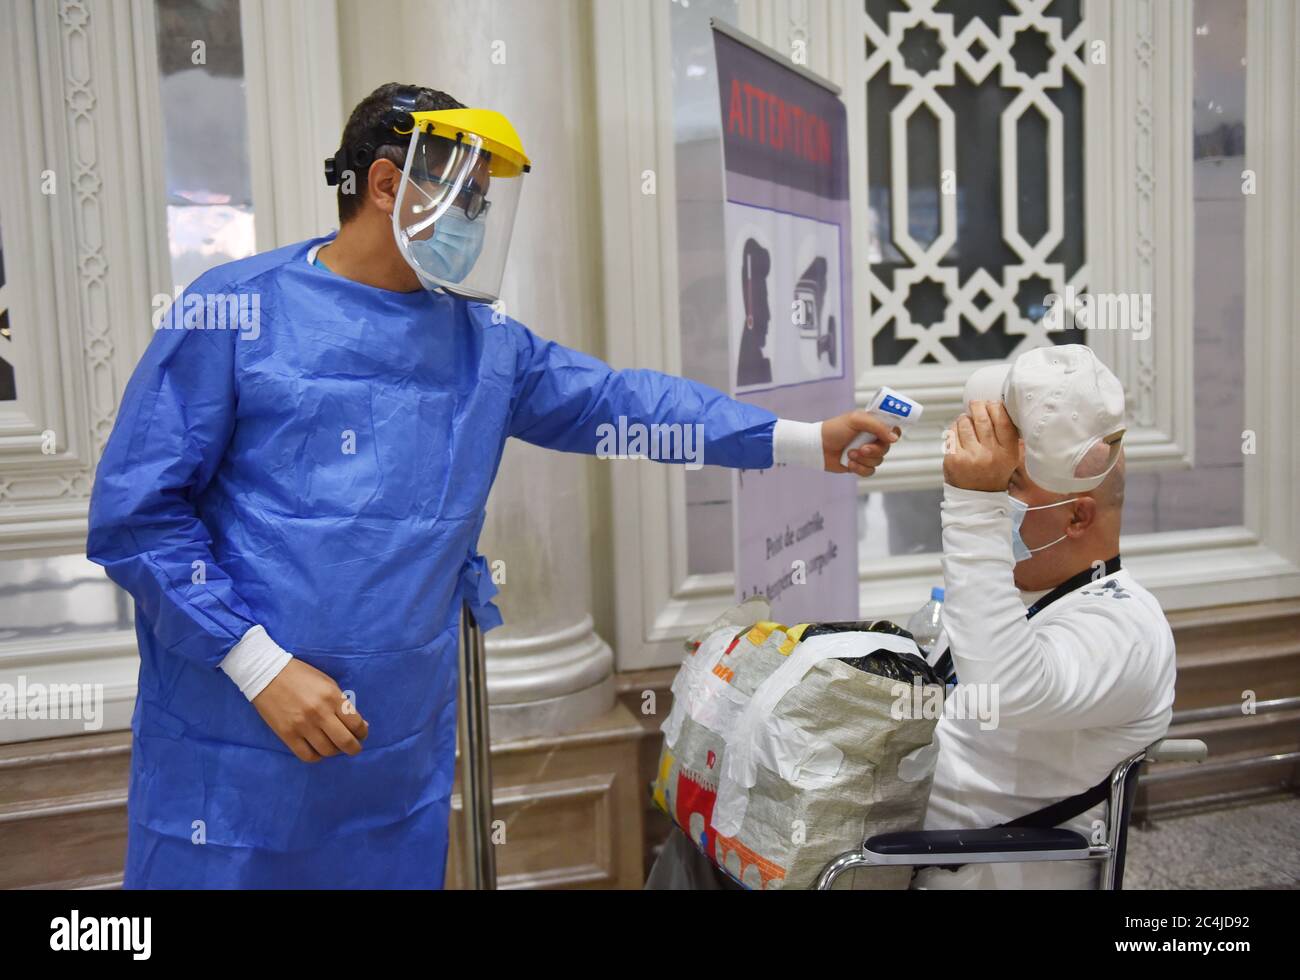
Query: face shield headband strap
pixel 397 120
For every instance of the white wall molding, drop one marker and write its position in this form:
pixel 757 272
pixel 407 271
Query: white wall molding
pixel 1184 569
pixel 1140 209
pixel 1272 383
pixel 103 665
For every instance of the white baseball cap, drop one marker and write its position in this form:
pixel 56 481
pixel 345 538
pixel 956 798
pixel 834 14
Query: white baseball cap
pixel 1064 401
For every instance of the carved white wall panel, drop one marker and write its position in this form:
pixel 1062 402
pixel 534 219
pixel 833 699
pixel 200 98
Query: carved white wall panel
pixel 80 279
pixel 82 266
pixel 1140 201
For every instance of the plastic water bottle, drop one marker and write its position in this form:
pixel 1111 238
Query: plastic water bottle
pixel 924 624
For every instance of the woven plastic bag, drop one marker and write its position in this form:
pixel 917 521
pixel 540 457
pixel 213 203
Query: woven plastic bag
pixel 787 746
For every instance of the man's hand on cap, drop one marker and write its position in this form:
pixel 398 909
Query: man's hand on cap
pixel 982 449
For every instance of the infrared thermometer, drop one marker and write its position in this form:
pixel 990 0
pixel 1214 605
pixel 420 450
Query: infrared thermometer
pixel 892 408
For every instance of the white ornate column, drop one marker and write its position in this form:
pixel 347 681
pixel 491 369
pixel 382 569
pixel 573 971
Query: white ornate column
pixel 548 670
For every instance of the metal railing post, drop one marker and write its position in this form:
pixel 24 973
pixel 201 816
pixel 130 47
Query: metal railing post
pixel 475 758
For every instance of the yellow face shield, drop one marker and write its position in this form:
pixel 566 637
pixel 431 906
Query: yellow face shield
pixel 456 204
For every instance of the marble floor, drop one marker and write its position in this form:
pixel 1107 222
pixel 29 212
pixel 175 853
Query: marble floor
pixel 1251 846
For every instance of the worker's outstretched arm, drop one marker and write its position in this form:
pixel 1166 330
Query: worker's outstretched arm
pixel 567 400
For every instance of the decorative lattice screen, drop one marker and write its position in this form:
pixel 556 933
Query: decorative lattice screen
pixel 975 168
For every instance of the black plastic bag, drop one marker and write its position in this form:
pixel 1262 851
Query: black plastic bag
pixel 887 663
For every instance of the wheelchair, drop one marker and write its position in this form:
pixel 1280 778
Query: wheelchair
pixel 1001 845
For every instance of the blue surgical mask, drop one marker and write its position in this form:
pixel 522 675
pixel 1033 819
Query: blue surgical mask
pixel 450 253
pixel 1019 509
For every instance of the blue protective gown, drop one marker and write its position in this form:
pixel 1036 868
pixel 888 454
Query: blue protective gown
pixel 225 499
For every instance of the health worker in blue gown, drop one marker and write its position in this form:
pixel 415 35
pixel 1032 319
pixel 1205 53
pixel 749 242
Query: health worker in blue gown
pixel 293 493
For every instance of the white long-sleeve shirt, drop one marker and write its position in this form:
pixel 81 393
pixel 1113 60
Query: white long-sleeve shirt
pixel 1085 683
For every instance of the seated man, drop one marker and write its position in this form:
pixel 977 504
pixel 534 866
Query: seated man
pixel 1085 677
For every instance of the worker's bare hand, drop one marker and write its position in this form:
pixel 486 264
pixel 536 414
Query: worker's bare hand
pixel 309 713
pixel 982 449
pixel 839 432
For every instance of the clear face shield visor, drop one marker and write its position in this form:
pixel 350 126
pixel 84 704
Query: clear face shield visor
pixel 455 211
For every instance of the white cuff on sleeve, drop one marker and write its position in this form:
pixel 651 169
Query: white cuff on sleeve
pixel 254 662
pixel 798 444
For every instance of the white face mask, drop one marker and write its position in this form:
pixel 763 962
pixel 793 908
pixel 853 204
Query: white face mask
pixel 1019 509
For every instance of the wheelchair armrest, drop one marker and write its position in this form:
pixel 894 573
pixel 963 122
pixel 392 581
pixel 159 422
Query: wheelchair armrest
pixel 1178 750
pixel 999 845
pixel 965 843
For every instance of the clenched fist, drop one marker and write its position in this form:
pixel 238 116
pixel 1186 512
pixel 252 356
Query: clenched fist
pixel 309 713
pixel 982 449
